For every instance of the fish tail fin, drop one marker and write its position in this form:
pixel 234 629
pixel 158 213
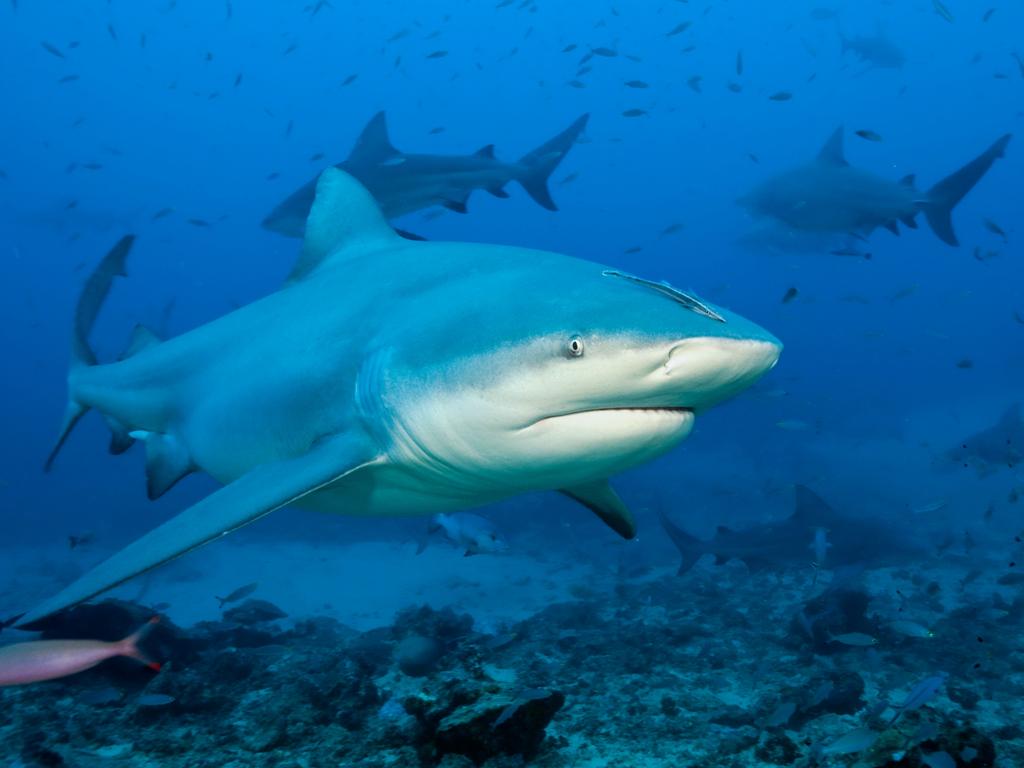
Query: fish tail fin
pixel 689 546
pixel 940 200
pixel 90 301
pixel 130 645
pixel 539 164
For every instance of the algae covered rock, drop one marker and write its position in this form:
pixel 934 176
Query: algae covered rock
pixel 498 724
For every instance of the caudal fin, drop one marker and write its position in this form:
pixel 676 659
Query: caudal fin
pixel 940 200
pixel 690 549
pixel 90 301
pixel 541 163
pixel 130 645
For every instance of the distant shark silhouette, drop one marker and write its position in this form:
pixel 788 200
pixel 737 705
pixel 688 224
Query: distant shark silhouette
pixel 392 377
pixel 402 183
pixel 997 447
pixel 828 195
pixel 875 50
pixel 791 542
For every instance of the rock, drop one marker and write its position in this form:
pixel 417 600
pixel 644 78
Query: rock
pixel 254 612
pixel 417 655
pixel 475 731
pixel 777 749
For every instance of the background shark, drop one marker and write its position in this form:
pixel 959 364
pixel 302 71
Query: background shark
pixel 828 195
pixel 471 374
pixel 797 541
pixel 998 447
pixel 875 50
pixel 403 183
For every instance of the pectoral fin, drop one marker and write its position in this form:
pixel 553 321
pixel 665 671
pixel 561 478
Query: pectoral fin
pixel 262 490
pixel 601 499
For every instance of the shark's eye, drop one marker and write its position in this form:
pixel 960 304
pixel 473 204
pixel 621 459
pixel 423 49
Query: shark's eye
pixel 575 346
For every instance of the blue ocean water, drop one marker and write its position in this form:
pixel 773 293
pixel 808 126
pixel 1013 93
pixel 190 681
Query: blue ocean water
pixel 185 123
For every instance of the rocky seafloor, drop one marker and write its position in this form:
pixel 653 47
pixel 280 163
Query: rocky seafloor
pixel 716 668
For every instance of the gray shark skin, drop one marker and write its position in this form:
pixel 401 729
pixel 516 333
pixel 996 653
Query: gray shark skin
pixel 790 543
pixel 1000 446
pixel 875 50
pixel 393 377
pixel 828 195
pixel 402 183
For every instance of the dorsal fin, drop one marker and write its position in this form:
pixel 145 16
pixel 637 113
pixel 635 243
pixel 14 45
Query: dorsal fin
pixel 344 219
pixel 832 152
pixel 487 151
pixel 909 180
pixel 811 510
pixel 373 144
pixel 141 338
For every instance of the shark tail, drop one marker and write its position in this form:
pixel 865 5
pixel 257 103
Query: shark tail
pixel 90 301
pixel 542 161
pixel 940 200
pixel 690 547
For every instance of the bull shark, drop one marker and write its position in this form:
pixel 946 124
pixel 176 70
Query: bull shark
pixel 828 195
pixel 395 377
pixel 815 534
pixel 994 448
pixel 402 183
pixel 875 50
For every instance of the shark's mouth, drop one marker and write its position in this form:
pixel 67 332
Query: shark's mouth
pixel 638 416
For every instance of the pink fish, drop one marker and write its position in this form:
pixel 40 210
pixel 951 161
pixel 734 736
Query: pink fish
pixel 40 660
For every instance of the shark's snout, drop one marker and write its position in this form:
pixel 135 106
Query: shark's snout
pixel 713 369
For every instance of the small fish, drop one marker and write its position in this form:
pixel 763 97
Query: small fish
pixel 569 47
pixel 436 130
pixel 199 222
pixel 112 32
pixel 734 87
pixel 238 80
pixel 739 63
pixel 789 295
pixel 39 660
pixel 68 79
pixel 943 11
pixel 92 166
pixel 995 229
pixel 920 695
pixel 780 96
pixel 694 83
pixel 853 639
pixel 850 743
pixel 437 54
pixel 608 53
pixel 634 113
pixel 671 229
pixel 350 79
pixel 910 629
pixel 1011 579
pixel 290 49
pixel 316 156
pixel 273 175
pixel 636 84
pixel 850 251
pixel 1019 317
pixel 928 507
pixel 570 178
pixel 82 540
pixel 965 364
pixel 51 48
pixel 678 29
pixel 988 14
pixel 238 594
pixel 576 84
pixel 154 700
pixel 633 249
pixel 163 212
pixel 868 135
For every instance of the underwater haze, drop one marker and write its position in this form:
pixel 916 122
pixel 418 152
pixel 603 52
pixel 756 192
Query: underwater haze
pixel 657 365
